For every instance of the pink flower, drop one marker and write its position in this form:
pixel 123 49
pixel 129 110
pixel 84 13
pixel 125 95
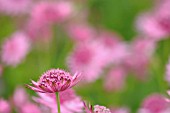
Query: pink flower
pixel 15 49
pixel 115 50
pixel 14 7
pixel 55 80
pixel 38 32
pixel 49 12
pixel 155 103
pixel 20 97
pixel 148 25
pixel 29 108
pixel 138 60
pixel 115 79
pixel 69 102
pixel 84 58
pixel 101 109
pixel 80 32
pixel 4 106
pixel 96 109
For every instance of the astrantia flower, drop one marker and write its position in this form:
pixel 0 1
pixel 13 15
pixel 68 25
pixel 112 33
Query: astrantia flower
pixel 55 80
pixel 84 58
pixel 14 7
pixel 115 79
pixel 96 109
pixel 22 103
pixel 4 106
pixel 80 32
pixel 49 12
pixel 155 103
pixel 101 109
pixel 15 49
pixel 29 108
pixel 69 101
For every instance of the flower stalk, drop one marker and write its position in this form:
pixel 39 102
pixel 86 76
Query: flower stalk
pixel 58 101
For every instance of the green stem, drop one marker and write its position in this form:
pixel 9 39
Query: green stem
pixel 58 101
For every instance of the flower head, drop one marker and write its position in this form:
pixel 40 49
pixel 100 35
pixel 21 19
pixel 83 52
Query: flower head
pixel 55 80
pixel 101 109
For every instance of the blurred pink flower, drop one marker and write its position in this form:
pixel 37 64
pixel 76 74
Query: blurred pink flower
pixel 115 50
pixel 138 60
pixel 49 12
pixel 88 59
pixel 101 109
pixel 69 102
pixel 154 103
pixel 148 25
pixel 15 49
pixel 4 106
pixel 20 97
pixel 55 80
pixel 80 32
pixel 14 7
pixel 156 24
pixel 29 108
pixel 115 79
pixel 167 77
pixel 38 32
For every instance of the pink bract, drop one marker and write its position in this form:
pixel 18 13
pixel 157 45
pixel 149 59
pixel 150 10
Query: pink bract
pixel 69 101
pixel 55 80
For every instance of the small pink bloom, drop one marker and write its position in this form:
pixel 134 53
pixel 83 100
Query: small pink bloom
pixel 69 102
pixel 96 109
pixel 155 103
pixel 80 32
pixel 29 108
pixel 15 49
pixel 55 80
pixel 4 106
pixel 115 79
pixel 101 109
pixel 14 7
pixel 167 77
